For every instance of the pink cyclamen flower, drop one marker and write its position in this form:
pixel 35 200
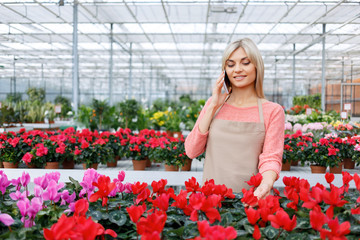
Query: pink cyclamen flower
pixel 19 195
pixel 6 219
pixel 67 198
pixel 44 180
pixel 24 179
pixel 90 176
pixel 28 210
pixel 4 182
pixel 51 193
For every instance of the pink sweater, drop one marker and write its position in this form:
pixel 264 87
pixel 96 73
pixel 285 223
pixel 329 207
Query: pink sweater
pixel 274 119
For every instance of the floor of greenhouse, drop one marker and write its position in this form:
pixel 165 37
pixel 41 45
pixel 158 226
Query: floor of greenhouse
pixel 157 172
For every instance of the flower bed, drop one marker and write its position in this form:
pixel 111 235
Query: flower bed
pixel 35 148
pixel 98 206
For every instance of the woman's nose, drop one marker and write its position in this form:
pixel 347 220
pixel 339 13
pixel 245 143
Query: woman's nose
pixel 238 68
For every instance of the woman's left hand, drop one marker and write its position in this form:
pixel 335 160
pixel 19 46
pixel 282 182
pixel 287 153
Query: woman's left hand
pixel 263 190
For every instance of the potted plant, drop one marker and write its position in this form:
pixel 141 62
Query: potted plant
pixel 13 147
pixel 114 144
pixel 128 111
pixel 347 151
pixel 138 151
pixel 172 123
pixel 37 157
pixel 318 158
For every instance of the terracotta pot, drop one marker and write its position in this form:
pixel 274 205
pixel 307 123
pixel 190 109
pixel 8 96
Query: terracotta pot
pixel 171 168
pixel 94 166
pixel 1 164
pixel 148 163
pixel 68 164
pixel 52 165
pixel 177 134
pixel 174 134
pixel 317 169
pixel 187 166
pixel 337 169
pixel 286 166
pixel 349 163
pixel 295 163
pixel 10 165
pixel 111 164
pixel 139 165
pixel 31 166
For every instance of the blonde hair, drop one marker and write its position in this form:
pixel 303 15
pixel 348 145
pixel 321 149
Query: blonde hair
pixel 254 55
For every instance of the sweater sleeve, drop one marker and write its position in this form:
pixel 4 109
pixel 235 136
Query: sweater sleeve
pixel 271 157
pixel 195 142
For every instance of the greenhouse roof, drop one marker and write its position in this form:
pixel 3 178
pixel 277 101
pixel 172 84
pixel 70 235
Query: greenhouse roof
pixel 178 43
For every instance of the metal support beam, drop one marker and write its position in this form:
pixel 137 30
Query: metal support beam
pixel 150 86
pixel 130 73
pixel 75 80
pixel 323 81
pixel 111 65
pixel 293 92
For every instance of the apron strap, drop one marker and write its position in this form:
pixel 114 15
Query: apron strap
pixel 261 115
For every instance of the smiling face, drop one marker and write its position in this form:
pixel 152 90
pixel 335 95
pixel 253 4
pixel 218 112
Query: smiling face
pixel 240 70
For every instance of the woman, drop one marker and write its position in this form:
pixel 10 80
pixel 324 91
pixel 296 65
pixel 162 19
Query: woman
pixel 241 132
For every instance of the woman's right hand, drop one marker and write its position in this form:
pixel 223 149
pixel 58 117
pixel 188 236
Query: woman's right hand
pixel 218 98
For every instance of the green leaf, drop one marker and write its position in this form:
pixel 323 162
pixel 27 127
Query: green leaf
pixel 303 223
pixel 118 218
pixel 249 228
pixel 76 183
pixel 175 233
pixel 355 229
pixel 296 236
pixel 96 215
pixel 226 219
pixel 190 230
pixel 240 233
pixel 271 232
pixel 244 221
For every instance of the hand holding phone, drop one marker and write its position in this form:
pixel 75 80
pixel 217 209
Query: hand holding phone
pixel 226 83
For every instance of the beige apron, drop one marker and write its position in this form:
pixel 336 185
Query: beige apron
pixel 232 151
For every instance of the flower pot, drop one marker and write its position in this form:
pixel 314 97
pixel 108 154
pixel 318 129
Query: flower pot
pixel 10 165
pixel 94 166
pixel 31 166
pixel 148 163
pixel 187 166
pixel 1 164
pixel 349 163
pixel 112 164
pixel 139 165
pixel 317 169
pixel 286 166
pixel 171 168
pixel 173 134
pixel 52 165
pixel 68 164
pixel 337 169
pixel 295 163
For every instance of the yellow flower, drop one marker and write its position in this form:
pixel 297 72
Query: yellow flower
pixel 187 115
pixel 195 115
pixel 161 123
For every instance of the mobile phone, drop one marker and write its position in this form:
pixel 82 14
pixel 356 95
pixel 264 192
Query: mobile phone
pixel 226 83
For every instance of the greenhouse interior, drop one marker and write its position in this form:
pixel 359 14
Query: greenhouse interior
pixel 108 99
